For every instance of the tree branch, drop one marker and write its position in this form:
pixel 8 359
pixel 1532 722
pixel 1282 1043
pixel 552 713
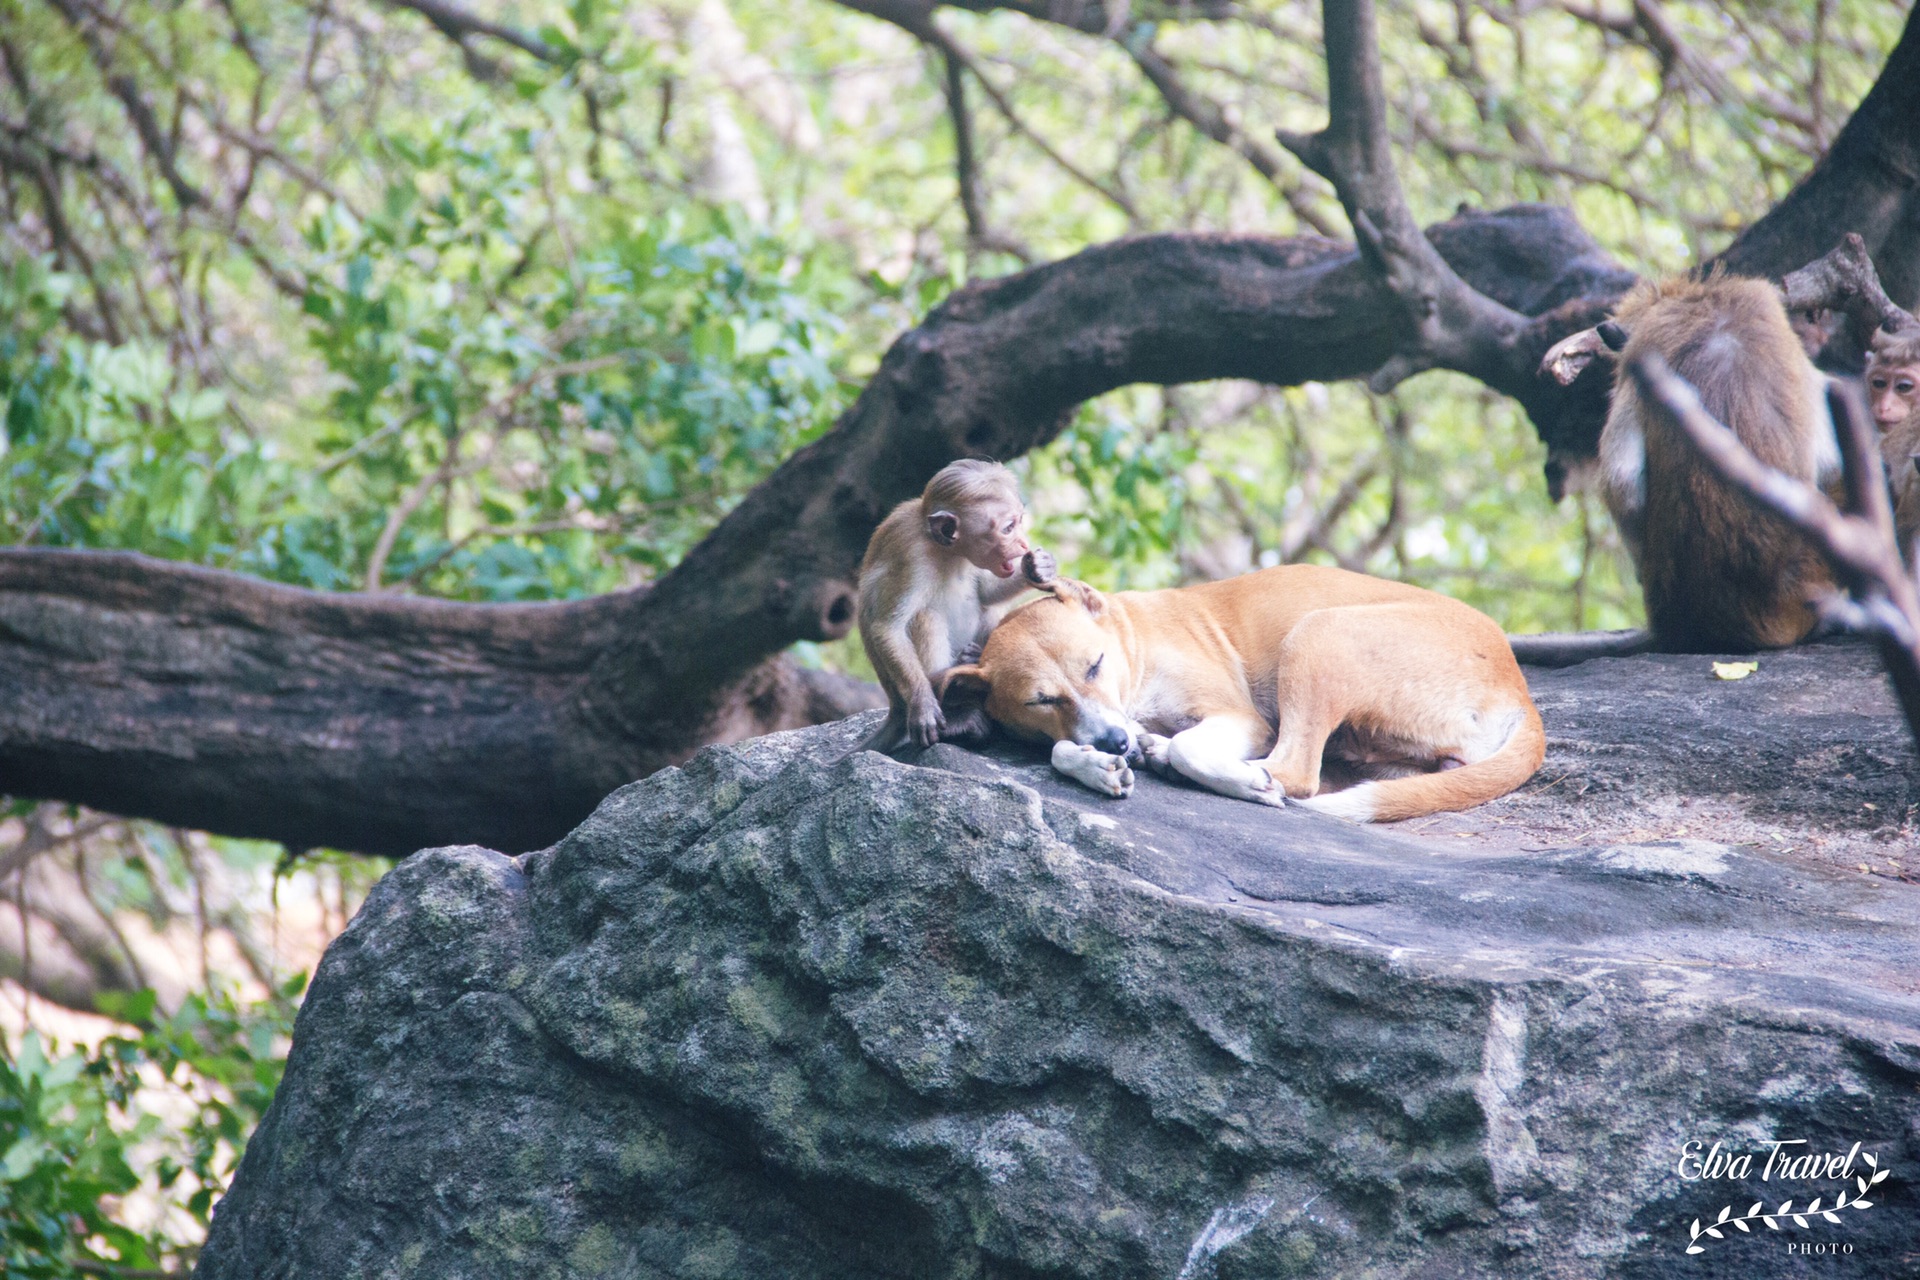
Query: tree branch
pixel 384 724
pixel 459 25
pixel 1207 116
pixel 1845 281
pixel 1449 323
pixel 980 235
pixel 1866 183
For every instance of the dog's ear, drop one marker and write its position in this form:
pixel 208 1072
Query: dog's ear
pixel 1073 591
pixel 962 689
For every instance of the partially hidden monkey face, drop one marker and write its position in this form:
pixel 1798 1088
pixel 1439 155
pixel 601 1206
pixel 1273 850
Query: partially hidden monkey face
pixel 1050 673
pixel 992 534
pixel 1892 390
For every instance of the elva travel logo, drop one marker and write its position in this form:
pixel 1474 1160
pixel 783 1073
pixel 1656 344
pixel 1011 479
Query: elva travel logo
pixel 1781 1165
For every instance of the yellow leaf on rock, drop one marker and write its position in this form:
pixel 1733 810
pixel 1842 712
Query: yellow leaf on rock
pixel 1734 670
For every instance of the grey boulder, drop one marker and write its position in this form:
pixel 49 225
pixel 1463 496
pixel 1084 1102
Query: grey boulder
pixel 783 1014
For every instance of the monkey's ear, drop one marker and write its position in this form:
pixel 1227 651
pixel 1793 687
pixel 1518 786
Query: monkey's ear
pixel 943 527
pixel 963 688
pixel 1073 591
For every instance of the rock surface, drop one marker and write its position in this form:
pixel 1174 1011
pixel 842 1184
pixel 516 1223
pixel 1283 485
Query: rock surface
pixel 779 1014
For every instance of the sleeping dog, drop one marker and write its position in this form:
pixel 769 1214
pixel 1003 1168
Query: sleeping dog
pixel 1247 686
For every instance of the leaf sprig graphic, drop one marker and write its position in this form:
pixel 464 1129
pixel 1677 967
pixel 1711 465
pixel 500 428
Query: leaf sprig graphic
pixel 1786 1211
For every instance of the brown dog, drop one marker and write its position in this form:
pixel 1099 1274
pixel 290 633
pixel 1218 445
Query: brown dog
pixel 1245 685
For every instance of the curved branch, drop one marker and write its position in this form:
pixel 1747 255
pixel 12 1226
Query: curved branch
pixel 383 723
pixel 1451 324
pixel 459 25
pixel 1845 281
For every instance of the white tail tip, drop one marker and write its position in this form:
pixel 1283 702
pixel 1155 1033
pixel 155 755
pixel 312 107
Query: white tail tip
pixel 1355 804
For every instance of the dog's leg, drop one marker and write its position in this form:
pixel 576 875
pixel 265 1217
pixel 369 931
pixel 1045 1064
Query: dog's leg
pixel 1217 753
pixel 1107 774
pixel 1152 749
pixel 1316 678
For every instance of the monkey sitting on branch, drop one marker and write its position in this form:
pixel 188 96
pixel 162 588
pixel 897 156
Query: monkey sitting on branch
pixel 1716 574
pixel 941 570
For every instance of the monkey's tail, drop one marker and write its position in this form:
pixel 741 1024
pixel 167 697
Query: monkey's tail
pixel 1461 788
pixel 887 739
pixel 1565 648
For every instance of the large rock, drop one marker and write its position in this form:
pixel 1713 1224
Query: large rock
pixel 780 1014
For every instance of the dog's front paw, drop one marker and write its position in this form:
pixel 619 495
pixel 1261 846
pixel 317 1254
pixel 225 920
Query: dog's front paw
pixel 1154 751
pixel 1107 774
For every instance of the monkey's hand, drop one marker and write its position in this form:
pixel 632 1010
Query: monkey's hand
pixel 925 721
pixel 1039 567
pixel 969 654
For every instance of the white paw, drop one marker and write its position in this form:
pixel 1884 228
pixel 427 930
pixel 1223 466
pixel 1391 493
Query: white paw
pixel 1257 786
pixel 1153 750
pixel 1107 774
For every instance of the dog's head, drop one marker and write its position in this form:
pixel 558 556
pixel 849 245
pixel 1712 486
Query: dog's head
pixel 1049 672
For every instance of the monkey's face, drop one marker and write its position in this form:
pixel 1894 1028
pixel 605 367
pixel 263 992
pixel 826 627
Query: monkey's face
pixel 990 534
pixel 1050 673
pixel 1893 390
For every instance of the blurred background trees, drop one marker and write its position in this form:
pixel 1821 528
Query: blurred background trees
pixel 512 301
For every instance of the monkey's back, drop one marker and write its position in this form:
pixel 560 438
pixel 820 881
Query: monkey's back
pixel 1718 573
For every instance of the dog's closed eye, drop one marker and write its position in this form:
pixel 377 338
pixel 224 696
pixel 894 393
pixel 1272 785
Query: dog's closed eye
pixel 1093 672
pixel 1045 700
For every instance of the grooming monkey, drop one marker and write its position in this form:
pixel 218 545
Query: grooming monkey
pixel 941 570
pixel 1716 573
pixel 1893 390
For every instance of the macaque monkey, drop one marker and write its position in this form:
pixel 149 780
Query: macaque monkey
pixel 1893 376
pixel 941 570
pixel 1893 389
pixel 1716 573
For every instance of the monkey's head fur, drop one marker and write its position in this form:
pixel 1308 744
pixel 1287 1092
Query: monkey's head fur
pixel 973 507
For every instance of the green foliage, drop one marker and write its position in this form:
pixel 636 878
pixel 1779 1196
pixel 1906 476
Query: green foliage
pixel 75 1127
pixel 63 1154
pixel 107 445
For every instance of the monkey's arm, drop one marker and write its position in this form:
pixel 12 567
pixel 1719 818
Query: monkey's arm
pixel 1038 569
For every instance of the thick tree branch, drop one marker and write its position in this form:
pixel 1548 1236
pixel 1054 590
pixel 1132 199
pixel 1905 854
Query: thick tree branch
pixel 1450 324
pixel 382 723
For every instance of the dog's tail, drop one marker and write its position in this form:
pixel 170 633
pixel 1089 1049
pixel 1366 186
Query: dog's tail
pixel 1459 788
